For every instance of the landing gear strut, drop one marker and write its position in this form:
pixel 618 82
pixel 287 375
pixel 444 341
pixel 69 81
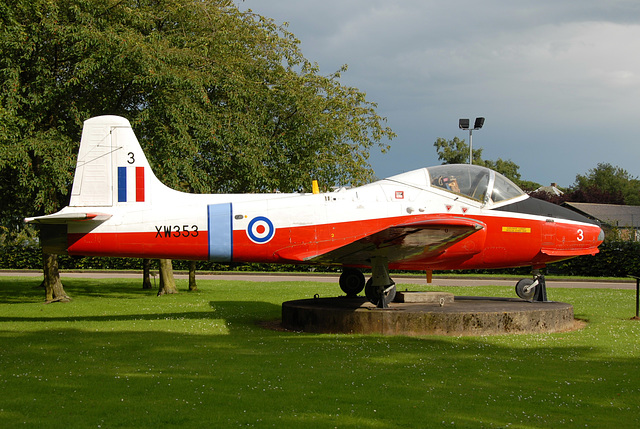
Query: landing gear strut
pixel 380 289
pixel 533 290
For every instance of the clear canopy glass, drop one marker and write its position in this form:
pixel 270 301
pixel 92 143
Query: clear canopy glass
pixel 478 183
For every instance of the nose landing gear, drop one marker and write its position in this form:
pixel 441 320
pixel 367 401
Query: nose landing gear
pixel 533 289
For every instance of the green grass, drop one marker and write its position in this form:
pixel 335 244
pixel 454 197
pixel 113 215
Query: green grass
pixel 118 356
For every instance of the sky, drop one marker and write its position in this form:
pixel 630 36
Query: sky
pixel 558 81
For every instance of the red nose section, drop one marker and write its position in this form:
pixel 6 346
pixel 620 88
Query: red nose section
pixel 568 240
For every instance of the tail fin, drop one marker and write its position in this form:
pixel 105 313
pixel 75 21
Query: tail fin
pixel 111 168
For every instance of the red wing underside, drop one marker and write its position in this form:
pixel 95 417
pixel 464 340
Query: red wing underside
pixel 404 242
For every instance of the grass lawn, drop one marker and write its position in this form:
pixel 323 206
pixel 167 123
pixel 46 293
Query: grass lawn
pixel 118 356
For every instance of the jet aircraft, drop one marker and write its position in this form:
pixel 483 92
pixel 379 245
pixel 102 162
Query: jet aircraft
pixel 436 218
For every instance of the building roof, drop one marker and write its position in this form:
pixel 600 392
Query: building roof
pixel 551 190
pixel 610 214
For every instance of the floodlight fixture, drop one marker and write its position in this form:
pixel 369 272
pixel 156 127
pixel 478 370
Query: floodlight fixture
pixel 464 125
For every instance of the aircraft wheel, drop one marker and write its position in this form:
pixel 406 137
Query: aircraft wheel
pixel 351 281
pixel 522 285
pixel 373 294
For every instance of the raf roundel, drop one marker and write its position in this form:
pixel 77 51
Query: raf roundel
pixel 260 230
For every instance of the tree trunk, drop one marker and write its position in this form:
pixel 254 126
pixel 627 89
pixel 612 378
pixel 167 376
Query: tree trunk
pixel 146 274
pixel 54 291
pixel 192 276
pixel 167 282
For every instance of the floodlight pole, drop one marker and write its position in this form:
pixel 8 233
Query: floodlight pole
pixel 464 125
pixel 637 316
pixel 470 146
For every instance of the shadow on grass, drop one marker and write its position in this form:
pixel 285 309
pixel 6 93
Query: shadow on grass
pixel 230 311
pixel 247 377
pixel 181 367
pixel 18 290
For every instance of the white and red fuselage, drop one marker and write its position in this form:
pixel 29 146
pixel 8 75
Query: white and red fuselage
pixel 443 217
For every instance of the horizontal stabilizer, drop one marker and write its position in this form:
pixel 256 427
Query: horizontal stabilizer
pixel 62 218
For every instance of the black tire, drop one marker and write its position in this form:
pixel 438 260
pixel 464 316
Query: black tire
pixel 373 294
pixel 351 281
pixel 520 289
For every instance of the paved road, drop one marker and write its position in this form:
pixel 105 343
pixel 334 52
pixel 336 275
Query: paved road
pixel 333 278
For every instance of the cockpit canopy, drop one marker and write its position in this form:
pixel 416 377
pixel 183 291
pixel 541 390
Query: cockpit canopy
pixel 478 183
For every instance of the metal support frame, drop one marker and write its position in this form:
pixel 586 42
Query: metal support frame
pixel 380 280
pixel 541 288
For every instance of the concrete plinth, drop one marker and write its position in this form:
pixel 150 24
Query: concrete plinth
pixel 440 298
pixel 462 316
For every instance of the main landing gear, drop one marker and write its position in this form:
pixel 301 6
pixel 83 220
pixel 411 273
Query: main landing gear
pixel 351 281
pixel 379 289
pixel 533 289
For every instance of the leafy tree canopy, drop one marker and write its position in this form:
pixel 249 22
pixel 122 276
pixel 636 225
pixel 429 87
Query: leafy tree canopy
pixel 222 101
pixel 606 184
pixel 455 151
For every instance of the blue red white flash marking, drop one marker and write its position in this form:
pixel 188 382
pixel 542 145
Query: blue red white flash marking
pixel 220 232
pixel 130 184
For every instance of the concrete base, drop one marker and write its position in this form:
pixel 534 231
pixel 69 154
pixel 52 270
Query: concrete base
pixel 462 316
pixel 440 298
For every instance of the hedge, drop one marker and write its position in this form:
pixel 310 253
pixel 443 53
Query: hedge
pixel 30 257
pixel 615 259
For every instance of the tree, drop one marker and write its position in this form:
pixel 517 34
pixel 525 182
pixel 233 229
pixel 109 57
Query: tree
pixel 606 184
pixel 54 291
pixel 222 101
pixel 193 286
pixel 456 151
pixel 146 274
pixel 167 281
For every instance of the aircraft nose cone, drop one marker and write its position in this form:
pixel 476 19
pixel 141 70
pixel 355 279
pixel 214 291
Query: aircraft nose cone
pixel 601 235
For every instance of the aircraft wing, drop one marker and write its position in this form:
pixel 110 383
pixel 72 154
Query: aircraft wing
pixel 404 242
pixel 62 218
